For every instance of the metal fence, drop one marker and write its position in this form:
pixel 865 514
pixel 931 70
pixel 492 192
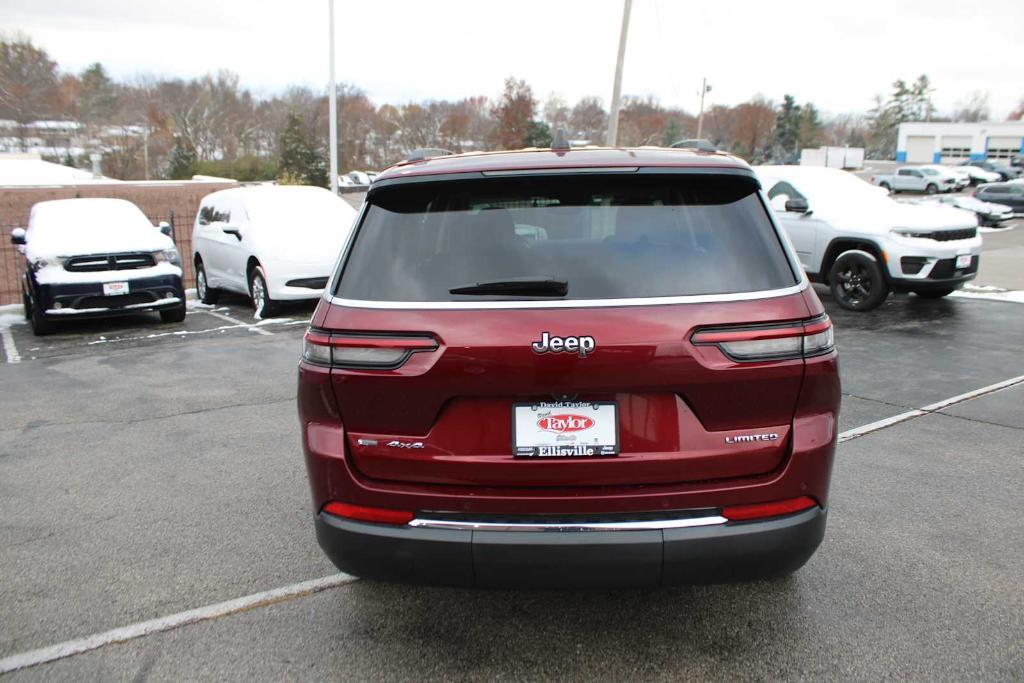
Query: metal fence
pixel 174 202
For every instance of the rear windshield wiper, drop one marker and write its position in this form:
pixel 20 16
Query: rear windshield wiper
pixel 517 286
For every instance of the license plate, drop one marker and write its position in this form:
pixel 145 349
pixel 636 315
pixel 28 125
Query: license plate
pixel 565 429
pixel 963 261
pixel 115 288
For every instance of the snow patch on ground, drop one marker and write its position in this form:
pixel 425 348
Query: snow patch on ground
pixel 9 318
pixel 989 293
pixel 187 333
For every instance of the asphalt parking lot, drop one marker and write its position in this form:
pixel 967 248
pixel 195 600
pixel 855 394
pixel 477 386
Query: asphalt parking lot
pixel 150 469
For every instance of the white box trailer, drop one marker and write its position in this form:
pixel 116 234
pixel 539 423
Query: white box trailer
pixel 813 157
pixel 833 157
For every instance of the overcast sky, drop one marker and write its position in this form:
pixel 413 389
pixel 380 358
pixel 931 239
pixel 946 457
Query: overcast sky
pixel 836 54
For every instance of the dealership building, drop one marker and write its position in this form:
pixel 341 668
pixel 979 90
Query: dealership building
pixel 951 143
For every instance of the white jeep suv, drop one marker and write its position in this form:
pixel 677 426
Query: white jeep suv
pixel 851 236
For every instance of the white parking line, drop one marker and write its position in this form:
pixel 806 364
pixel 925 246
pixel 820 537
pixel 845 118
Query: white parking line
pixel 856 432
pixel 254 328
pixel 10 350
pixel 173 621
pixel 298 590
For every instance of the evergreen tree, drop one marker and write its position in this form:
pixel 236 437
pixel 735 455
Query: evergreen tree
pixel 98 94
pixel 183 160
pixel 300 163
pixel 787 127
pixel 810 126
pixel 907 103
pixel 538 135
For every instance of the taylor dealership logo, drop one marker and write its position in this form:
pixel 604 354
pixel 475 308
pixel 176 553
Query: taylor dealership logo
pixel 560 424
pixel 549 344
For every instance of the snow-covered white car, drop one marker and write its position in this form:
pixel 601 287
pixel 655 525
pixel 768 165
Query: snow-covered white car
pixel 979 176
pixel 863 244
pixel 988 213
pixel 961 178
pixel 94 258
pixel 272 243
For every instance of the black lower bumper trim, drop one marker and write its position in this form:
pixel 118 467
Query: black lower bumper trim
pixel 87 300
pixel 587 559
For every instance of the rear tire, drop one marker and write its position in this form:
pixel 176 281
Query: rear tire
pixel 857 282
pixel 263 305
pixel 935 293
pixel 887 186
pixel 41 326
pixel 206 293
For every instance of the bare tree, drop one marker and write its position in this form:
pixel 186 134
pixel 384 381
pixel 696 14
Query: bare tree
pixel 588 119
pixel 28 83
pixel 514 113
pixel 973 109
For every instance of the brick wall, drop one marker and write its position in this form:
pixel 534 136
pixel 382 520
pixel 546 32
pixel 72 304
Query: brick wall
pixel 174 202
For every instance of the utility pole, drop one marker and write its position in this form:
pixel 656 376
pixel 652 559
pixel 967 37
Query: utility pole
pixel 704 89
pixel 333 106
pixel 145 151
pixel 613 118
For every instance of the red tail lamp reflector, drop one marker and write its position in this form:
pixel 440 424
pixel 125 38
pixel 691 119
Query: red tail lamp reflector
pixel 368 514
pixel 371 352
pixel 740 513
pixel 801 339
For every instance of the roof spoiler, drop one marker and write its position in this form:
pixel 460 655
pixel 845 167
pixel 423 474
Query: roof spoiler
pixel 424 153
pixel 699 144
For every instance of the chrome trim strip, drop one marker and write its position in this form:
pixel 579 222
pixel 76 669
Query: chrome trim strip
pixel 575 303
pixel 566 170
pixel 71 312
pixel 643 525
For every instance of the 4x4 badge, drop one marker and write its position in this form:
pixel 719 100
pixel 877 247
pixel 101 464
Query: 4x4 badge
pixel 580 345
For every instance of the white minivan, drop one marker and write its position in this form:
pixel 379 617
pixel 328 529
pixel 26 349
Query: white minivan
pixel 272 243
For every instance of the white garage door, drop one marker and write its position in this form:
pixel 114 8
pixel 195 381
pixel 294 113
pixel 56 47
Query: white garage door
pixel 1003 147
pixel 920 149
pixel 955 148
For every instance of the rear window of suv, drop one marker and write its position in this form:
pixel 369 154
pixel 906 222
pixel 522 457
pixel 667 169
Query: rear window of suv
pixel 594 236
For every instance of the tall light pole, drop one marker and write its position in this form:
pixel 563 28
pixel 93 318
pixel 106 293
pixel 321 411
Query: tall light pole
pixel 333 105
pixel 613 118
pixel 704 89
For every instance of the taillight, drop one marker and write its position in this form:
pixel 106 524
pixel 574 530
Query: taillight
pixel 366 351
pixel 742 513
pixel 803 339
pixel 368 514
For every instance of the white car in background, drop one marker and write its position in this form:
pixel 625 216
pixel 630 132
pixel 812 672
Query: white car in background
pixel 963 177
pixel 979 176
pixel 853 237
pixel 989 214
pixel 272 243
pixel 960 180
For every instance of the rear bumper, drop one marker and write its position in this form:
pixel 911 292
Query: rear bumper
pixel 572 559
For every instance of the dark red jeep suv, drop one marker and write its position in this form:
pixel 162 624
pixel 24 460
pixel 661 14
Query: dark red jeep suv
pixel 587 367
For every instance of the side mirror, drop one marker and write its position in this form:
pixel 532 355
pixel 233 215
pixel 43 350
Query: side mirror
pixel 233 231
pixel 797 205
pixel 165 228
pixel 18 236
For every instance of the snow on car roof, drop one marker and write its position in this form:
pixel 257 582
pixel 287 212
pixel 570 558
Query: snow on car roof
pixel 64 227
pixel 87 212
